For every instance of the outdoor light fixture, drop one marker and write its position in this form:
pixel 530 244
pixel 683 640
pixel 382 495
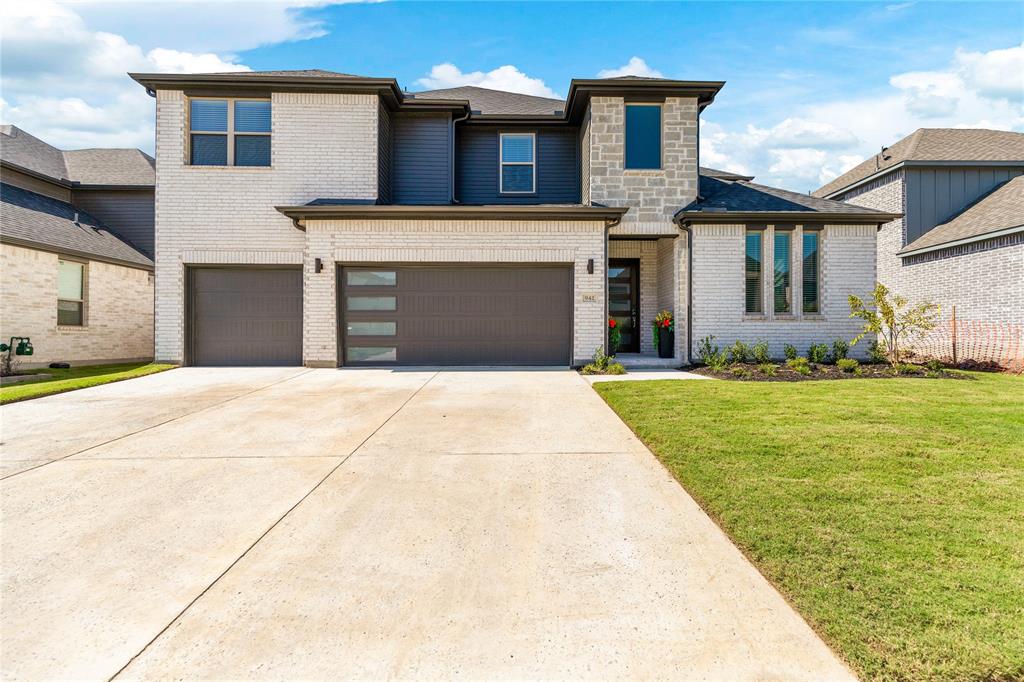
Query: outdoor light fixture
pixel 24 348
pixel 590 266
pixel 318 265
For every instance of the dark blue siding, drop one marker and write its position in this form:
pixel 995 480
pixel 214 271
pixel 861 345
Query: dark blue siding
pixel 420 153
pixel 476 166
pixel 934 195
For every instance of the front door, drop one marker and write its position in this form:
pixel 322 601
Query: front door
pixel 624 301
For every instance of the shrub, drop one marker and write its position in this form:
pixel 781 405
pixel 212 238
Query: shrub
pixel 906 368
pixel 876 355
pixel 768 369
pixel 789 350
pixel 817 353
pixel 760 351
pixel 848 365
pixel 800 365
pixel 740 372
pixel 886 317
pixel 614 335
pixel 934 366
pixel 603 364
pixel 839 350
pixel 710 355
pixel 739 352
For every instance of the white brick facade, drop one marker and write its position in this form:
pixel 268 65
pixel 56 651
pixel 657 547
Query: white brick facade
pixel 118 310
pixel 847 267
pixel 322 145
pixel 452 241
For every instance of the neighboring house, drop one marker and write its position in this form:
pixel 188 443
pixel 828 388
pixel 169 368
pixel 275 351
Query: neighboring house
pixel 76 240
pixel 319 218
pixel 960 242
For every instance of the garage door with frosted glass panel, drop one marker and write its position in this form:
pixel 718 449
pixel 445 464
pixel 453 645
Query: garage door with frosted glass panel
pixel 455 315
pixel 245 316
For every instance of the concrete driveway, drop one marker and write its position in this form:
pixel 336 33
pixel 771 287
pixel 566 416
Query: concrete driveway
pixel 291 523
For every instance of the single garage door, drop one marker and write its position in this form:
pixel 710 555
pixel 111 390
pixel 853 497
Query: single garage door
pixel 245 316
pixel 455 315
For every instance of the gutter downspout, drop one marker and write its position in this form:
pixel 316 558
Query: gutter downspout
pixel 451 156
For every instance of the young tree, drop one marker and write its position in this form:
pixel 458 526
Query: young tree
pixel 887 316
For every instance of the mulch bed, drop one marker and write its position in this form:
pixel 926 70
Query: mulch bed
pixel 824 372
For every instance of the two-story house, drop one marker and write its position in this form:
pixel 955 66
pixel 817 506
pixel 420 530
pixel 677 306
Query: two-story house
pixel 960 240
pixel 319 218
pixel 76 242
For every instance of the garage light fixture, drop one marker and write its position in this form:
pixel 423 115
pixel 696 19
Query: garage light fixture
pixel 318 265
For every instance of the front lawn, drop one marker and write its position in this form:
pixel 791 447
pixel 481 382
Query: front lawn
pixel 77 377
pixel 890 513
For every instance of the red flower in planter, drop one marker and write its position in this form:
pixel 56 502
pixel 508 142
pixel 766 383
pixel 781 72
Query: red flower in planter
pixel 612 323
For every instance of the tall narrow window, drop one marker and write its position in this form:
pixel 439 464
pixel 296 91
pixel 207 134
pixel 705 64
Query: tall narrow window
pixel 811 277
pixel 518 169
pixel 70 293
pixel 753 271
pixel 643 136
pixel 229 132
pixel 783 281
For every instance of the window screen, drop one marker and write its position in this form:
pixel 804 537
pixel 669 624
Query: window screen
pixel 517 163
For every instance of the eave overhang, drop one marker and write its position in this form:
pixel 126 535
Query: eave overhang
pixel 611 216
pixel 995 234
pixel 882 172
pixel 62 251
pixel 735 217
pixel 68 184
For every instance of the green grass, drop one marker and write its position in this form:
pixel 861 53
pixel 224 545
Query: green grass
pixel 77 377
pixel 889 512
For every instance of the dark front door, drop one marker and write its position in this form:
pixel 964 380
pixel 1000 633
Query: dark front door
pixel 624 301
pixel 245 316
pixel 455 314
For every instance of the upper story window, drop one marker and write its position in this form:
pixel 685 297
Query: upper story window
pixel 229 132
pixel 643 136
pixel 518 165
pixel 70 293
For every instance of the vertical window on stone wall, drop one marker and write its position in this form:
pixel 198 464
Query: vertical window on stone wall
pixel 783 281
pixel 753 271
pixel 643 136
pixel 811 271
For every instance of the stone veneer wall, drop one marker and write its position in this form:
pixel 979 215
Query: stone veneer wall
pixel 118 310
pixel 322 145
pixel 847 267
pixel 452 241
pixel 653 196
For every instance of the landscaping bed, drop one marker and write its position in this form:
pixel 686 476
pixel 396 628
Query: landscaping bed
pixel 889 513
pixel 817 372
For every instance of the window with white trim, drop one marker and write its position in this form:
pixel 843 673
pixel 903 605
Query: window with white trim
pixel 229 132
pixel 518 163
pixel 70 293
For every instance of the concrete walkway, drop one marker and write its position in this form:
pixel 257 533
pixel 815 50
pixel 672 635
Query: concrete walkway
pixel 291 523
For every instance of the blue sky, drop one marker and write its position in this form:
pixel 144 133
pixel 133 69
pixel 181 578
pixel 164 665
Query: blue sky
pixel 811 87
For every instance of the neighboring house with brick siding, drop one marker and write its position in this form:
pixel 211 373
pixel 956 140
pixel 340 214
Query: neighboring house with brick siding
pixel 324 219
pixel 76 238
pixel 960 240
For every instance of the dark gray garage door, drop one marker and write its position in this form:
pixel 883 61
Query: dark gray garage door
pixel 244 316
pixel 455 315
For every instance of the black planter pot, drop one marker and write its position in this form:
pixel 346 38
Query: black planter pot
pixel 666 343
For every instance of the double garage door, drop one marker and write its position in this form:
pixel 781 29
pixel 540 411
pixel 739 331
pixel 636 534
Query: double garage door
pixel 388 315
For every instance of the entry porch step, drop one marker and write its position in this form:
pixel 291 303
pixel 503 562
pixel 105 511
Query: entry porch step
pixel 645 361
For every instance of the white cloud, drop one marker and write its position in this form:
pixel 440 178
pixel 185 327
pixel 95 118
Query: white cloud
pixel 821 140
pixel 506 77
pixel 634 67
pixel 67 83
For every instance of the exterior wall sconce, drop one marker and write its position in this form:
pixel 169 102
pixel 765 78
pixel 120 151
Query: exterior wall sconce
pixel 590 266
pixel 318 265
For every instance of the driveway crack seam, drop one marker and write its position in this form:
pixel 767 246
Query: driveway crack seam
pixel 180 416
pixel 272 526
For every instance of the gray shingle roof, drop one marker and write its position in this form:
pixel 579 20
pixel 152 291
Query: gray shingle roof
pixel 936 144
pixel 85 166
pixel 296 73
pixel 487 101
pixel 722 197
pixel 33 219
pixel 1000 209
pixel 723 175
pixel 111 167
pixel 29 152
